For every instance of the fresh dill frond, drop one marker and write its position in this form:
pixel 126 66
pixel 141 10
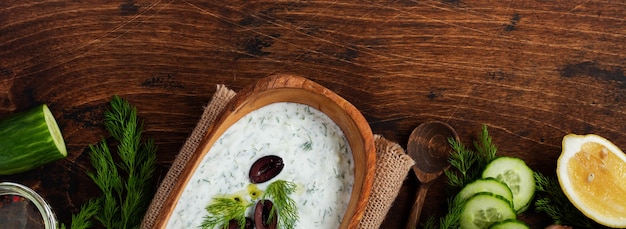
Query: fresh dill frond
pixel 451 219
pixel 552 201
pixel 430 223
pixel 82 220
pixel 466 166
pixel 109 181
pixel 224 209
pixel 485 147
pixel 125 184
pixel 278 191
pixel 462 159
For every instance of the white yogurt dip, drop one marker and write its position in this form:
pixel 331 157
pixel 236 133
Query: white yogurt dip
pixel 315 152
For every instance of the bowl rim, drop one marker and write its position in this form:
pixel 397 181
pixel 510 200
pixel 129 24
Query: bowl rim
pixel 245 101
pixel 48 217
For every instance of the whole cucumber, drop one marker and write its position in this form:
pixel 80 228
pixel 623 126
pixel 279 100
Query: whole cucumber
pixel 29 139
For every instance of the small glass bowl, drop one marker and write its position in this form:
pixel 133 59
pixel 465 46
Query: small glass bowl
pixel 24 208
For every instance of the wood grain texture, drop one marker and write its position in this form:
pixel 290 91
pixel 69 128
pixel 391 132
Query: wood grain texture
pixel 532 71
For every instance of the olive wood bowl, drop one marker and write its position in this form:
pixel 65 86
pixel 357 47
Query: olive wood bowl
pixel 288 88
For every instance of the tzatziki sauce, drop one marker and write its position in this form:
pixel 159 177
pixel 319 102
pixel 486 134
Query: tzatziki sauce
pixel 316 156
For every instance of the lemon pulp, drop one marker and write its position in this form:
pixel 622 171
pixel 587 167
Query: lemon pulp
pixel 592 174
pixel 598 178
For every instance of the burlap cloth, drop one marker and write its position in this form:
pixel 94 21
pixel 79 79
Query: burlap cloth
pixel 392 166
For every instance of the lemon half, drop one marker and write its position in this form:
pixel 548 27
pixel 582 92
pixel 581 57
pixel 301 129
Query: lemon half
pixel 592 173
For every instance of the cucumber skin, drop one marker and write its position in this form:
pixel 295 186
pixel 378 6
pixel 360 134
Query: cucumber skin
pixel 480 185
pixel 509 224
pixel 26 141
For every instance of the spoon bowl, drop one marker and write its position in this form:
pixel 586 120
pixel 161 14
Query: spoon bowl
pixel 428 146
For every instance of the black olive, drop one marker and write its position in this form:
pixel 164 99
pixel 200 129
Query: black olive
pixel 262 214
pixel 233 224
pixel 265 168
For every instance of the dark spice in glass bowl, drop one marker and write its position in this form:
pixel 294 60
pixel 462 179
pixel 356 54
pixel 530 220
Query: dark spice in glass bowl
pixel 22 208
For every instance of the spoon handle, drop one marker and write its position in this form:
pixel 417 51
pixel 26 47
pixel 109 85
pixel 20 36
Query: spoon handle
pixel 416 211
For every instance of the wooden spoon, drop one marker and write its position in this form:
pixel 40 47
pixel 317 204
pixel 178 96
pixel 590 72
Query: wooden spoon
pixel 428 146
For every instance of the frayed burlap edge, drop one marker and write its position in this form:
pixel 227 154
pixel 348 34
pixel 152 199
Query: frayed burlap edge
pixel 218 102
pixel 392 166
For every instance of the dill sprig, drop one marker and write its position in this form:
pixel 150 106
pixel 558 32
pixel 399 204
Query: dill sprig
pixel 485 147
pixel 108 180
pixel 451 220
pixel 452 217
pixel 126 185
pixel 278 191
pixel 551 200
pixel 82 220
pixel 466 166
pixel 462 159
pixel 224 209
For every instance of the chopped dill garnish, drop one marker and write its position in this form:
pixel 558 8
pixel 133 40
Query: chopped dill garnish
pixel 325 129
pixel 308 110
pixel 307 146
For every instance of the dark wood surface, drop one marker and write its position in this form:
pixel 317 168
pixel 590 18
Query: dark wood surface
pixel 532 71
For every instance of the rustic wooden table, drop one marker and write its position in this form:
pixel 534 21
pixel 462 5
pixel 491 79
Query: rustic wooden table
pixel 532 71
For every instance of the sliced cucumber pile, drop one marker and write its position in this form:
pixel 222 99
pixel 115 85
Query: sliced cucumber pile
pixel 506 189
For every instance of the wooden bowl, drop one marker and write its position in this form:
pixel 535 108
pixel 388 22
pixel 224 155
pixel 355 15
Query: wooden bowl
pixel 286 88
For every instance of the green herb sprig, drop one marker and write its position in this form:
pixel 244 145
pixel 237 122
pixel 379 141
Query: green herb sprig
pixel 224 209
pixel 462 160
pixel 485 147
pixel 279 191
pixel 452 217
pixel 125 184
pixel 551 200
pixel 82 220
pixel 466 166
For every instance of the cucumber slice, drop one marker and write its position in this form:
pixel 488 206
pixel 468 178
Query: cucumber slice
pixel 490 185
pixel 483 209
pixel 29 139
pixel 517 175
pixel 510 224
